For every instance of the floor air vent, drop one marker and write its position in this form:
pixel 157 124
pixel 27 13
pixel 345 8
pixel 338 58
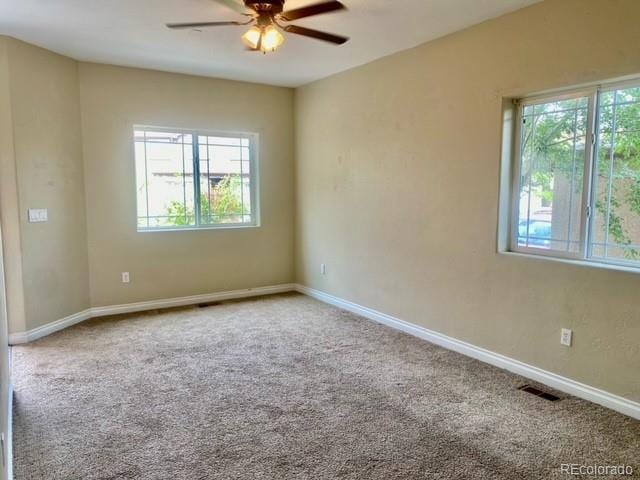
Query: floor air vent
pixel 210 304
pixel 539 393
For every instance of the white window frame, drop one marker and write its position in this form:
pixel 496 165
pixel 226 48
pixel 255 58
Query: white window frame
pixel 254 189
pixel 584 255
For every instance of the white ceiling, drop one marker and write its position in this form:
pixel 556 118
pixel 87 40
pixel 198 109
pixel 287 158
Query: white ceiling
pixel 132 33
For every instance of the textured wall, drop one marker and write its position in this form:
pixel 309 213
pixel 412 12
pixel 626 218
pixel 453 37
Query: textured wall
pixel 398 167
pixel 48 160
pixel 9 209
pixel 177 263
pixel 8 196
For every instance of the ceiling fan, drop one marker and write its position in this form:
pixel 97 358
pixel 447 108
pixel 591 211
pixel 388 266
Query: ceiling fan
pixel 267 16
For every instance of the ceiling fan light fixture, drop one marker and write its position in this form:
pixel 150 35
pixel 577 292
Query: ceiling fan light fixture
pixel 252 37
pixel 266 39
pixel 271 39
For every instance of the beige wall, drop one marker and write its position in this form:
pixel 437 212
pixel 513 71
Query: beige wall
pixel 7 179
pixel 398 167
pixel 9 209
pixel 46 263
pixel 48 157
pixel 179 263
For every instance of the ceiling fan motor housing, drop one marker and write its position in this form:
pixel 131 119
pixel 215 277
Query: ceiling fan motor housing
pixel 270 7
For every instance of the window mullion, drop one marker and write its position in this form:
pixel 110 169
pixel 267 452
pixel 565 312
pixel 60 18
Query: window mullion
pixel 196 178
pixel 590 173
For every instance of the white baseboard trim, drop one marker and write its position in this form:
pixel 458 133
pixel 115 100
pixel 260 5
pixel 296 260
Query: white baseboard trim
pixel 31 335
pixel 191 300
pixel 49 328
pixel 567 385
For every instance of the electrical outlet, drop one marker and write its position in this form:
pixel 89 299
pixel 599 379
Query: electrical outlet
pixel 125 277
pixel 565 337
pixel 323 269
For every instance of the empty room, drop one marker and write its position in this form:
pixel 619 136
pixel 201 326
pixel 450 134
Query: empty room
pixel 319 239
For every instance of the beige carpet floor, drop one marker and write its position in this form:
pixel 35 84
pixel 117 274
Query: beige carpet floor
pixel 281 388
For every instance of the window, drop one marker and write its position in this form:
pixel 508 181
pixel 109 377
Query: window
pixel 187 179
pixel 576 191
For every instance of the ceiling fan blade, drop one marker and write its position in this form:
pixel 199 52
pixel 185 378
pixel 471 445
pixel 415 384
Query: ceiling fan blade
pixel 233 5
pixel 310 10
pixel 202 24
pixel 318 35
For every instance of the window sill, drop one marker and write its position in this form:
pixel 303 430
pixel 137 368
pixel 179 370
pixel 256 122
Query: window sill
pixel 580 263
pixel 196 229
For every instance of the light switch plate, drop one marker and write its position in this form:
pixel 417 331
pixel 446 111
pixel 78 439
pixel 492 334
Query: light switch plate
pixel 38 215
pixel 566 337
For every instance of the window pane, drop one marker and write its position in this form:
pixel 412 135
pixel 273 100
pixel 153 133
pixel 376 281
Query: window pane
pixel 616 222
pixel 164 170
pixel 552 162
pixel 222 179
pixel 246 180
pixel 141 182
